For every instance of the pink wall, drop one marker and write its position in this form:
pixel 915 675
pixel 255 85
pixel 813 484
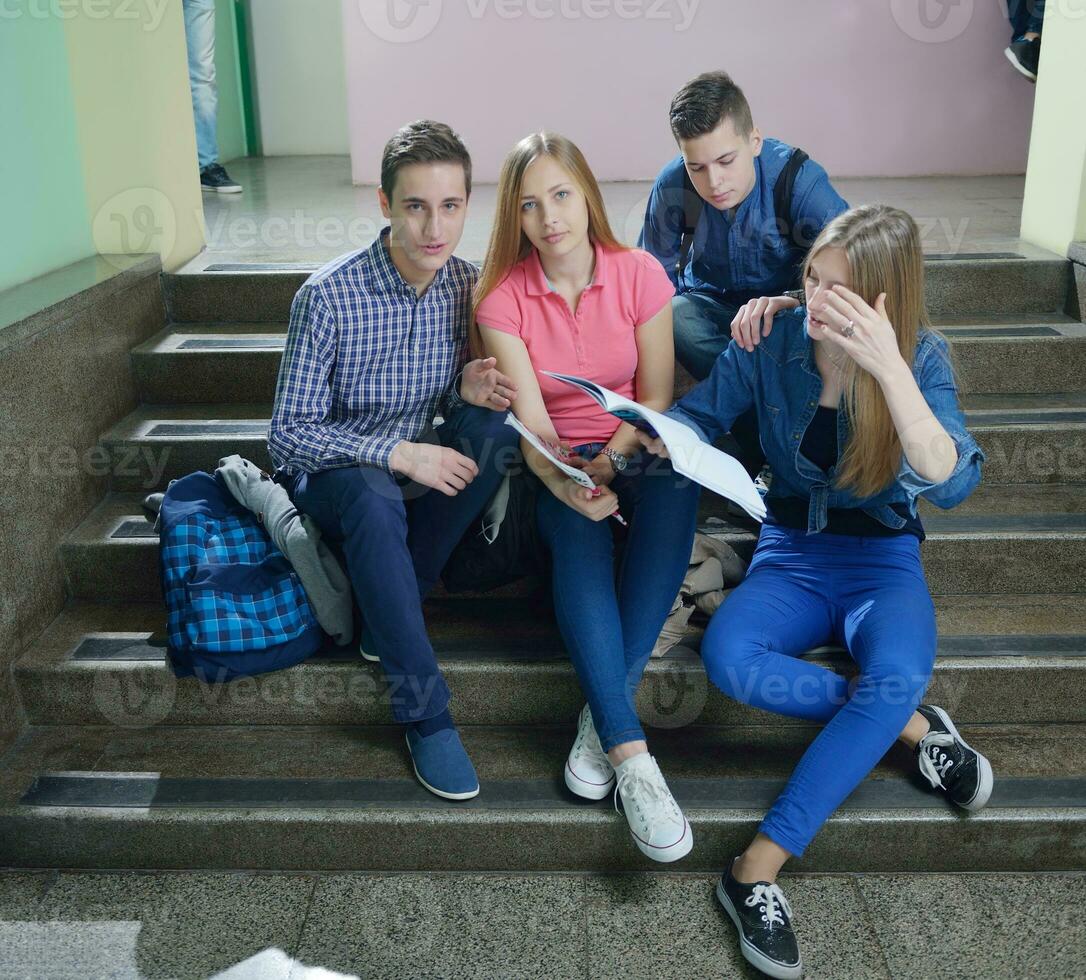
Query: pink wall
pixel 868 87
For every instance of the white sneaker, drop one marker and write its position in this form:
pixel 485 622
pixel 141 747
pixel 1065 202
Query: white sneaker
pixel 588 772
pixel 657 824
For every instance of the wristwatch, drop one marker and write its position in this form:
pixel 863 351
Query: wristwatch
pixel 618 461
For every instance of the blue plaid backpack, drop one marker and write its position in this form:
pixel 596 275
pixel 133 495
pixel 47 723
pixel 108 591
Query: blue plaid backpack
pixel 235 606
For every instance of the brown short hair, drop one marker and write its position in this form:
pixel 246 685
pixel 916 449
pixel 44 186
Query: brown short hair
pixel 704 103
pixel 423 141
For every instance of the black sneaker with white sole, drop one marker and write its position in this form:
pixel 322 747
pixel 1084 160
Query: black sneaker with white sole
pixel 951 764
pixel 1025 55
pixel 763 917
pixel 214 178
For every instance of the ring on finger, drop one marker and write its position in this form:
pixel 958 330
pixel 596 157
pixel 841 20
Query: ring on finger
pixel 849 330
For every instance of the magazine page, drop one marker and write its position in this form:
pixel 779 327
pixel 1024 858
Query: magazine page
pixel 690 457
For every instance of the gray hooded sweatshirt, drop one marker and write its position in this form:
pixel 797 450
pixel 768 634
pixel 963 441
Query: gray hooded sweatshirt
pixel 298 537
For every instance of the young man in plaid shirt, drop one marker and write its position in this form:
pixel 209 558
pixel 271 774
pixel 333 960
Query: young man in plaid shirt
pixel 377 345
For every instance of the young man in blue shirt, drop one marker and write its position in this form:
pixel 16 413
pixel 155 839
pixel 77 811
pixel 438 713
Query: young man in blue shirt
pixel 377 344
pixel 712 221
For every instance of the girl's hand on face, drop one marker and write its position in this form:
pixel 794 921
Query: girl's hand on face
pixel 864 333
pixel 653 445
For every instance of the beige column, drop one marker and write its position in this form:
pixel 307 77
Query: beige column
pixel 1054 207
pixel 134 126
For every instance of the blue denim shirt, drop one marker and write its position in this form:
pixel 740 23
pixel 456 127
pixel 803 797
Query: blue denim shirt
pixel 743 256
pixel 781 381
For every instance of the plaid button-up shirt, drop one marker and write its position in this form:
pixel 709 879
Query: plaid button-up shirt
pixel 367 361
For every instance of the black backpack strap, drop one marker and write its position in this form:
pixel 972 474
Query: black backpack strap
pixel 692 205
pixel 782 198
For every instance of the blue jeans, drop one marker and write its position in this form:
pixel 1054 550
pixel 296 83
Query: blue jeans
pixel 200 39
pixel 1026 16
pixel 702 332
pixel 802 591
pixel 395 548
pixel 610 631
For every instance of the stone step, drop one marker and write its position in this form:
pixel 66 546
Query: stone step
pixel 345 799
pixel 1012 659
pixel 193 363
pixel 960 286
pixel 113 554
pixel 1028 439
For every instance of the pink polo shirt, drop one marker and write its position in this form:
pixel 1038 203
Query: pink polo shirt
pixel 628 288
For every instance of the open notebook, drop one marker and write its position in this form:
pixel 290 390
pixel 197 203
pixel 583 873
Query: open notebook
pixel 690 457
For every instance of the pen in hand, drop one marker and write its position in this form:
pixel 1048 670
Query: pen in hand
pixel 563 453
pixel 616 515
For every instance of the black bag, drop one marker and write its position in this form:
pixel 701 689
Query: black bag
pixel 502 545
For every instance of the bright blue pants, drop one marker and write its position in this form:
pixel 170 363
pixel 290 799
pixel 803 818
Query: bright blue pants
pixel 867 594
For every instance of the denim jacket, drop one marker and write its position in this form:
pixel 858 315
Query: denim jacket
pixel 742 255
pixel 780 380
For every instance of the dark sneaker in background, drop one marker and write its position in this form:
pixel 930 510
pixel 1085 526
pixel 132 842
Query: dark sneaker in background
pixel 949 763
pixel 214 178
pixel 763 917
pixel 1025 55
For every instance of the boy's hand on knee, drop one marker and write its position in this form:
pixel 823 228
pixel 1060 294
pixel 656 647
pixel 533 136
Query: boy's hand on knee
pixel 755 319
pixel 437 467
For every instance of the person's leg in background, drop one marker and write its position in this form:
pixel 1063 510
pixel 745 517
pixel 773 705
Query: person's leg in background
pixel 200 41
pixel 702 325
pixel 362 509
pixel 1027 21
pixel 436 522
pixel 702 332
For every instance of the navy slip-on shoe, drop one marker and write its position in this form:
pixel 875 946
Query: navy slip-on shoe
pixel 442 765
pixel 366 648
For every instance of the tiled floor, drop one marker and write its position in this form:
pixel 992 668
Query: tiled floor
pixel 254 926
pixel 304 209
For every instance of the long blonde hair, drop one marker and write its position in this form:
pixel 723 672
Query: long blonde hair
pixel 508 243
pixel 882 245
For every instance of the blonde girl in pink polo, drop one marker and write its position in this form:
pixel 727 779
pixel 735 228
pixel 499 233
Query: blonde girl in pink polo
pixel 558 292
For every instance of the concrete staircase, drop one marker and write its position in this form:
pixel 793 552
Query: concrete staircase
pixel 125 767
